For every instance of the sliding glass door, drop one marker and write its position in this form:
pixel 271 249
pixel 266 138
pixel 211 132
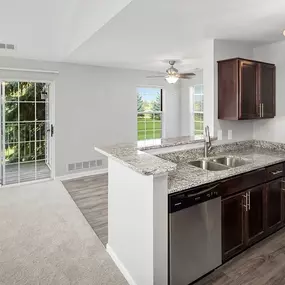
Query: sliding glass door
pixel 25 131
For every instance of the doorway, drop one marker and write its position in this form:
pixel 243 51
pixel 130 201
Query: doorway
pixel 26 131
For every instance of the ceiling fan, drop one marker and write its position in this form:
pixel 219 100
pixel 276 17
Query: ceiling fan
pixel 173 75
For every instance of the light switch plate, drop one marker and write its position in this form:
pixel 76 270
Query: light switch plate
pixel 230 134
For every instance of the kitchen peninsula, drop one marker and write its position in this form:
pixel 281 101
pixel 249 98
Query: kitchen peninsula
pixel 140 186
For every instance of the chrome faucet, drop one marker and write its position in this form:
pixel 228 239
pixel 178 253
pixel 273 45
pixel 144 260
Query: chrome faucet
pixel 207 142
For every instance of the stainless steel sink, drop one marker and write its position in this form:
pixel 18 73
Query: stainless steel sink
pixel 208 165
pixel 231 161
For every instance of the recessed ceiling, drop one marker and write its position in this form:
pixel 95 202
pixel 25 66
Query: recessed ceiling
pixel 134 33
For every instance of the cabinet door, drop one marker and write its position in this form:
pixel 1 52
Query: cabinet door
pixel 248 90
pixel 267 90
pixel 274 205
pixel 255 214
pixel 232 225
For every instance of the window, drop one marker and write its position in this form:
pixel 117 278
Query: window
pixel 149 117
pixel 197 102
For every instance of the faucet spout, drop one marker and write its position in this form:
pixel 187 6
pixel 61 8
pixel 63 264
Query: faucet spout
pixel 207 142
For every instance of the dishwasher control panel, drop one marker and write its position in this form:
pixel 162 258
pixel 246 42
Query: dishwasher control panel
pixel 193 197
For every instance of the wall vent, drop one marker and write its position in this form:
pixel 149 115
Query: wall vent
pixel 7 46
pixel 10 46
pixel 71 167
pixel 84 165
pixel 78 165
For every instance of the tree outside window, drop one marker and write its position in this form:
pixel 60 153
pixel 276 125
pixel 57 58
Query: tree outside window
pixel 149 110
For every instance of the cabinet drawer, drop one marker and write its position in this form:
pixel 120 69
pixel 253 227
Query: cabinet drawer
pixel 275 171
pixel 243 182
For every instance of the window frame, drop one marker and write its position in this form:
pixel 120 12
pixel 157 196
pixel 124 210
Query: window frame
pixel 193 112
pixel 152 140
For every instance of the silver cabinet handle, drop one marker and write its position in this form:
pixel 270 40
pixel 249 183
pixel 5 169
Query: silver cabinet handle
pixel 262 109
pixel 249 200
pixel 277 172
pixel 282 184
pixel 260 112
pixel 246 204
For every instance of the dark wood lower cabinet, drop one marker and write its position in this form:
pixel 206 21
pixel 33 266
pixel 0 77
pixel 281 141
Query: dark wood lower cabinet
pixel 274 205
pixel 251 215
pixel 255 216
pixel 233 225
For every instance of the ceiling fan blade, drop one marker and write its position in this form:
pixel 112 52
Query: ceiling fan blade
pixel 181 76
pixel 188 74
pixel 156 76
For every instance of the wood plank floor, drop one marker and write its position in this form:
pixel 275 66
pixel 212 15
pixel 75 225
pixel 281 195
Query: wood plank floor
pixel 263 264
pixel 91 196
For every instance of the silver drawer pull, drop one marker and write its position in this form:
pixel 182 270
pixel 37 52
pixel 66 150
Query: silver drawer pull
pixel 277 172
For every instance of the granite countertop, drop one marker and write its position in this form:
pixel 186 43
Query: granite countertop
pixel 137 160
pixel 182 175
pixel 160 143
pixel 188 176
pixel 132 155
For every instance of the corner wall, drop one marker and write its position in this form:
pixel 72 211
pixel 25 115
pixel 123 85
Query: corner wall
pixel 273 129
pixel 96 106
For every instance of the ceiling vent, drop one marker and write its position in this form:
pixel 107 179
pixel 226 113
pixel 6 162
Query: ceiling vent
pixel 7 46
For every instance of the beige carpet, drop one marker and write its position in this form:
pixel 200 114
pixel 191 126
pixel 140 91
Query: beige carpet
pixel 44 239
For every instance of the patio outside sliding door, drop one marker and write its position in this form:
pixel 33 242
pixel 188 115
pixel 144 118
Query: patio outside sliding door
pixel 25 131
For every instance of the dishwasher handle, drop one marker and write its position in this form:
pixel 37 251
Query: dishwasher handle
pixel 203 192
pixel 191 198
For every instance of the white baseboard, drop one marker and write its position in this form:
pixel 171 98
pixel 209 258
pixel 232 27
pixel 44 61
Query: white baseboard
pixel 26 183
pixel 120 265
pixel 82 174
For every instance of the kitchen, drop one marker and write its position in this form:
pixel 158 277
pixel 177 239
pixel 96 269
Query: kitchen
pixel 184 186
pixel 235 195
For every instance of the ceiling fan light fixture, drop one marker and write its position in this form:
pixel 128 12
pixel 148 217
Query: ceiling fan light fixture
pixel 171 79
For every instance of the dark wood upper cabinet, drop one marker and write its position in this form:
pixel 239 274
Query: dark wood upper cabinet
pixel 267 90
pixel 246 89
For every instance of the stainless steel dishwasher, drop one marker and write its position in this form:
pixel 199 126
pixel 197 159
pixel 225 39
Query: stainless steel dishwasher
pixel 195 243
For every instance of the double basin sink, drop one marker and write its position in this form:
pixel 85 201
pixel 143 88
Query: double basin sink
pixel 219 164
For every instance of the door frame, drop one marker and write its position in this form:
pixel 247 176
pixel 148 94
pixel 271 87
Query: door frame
pixel 52 121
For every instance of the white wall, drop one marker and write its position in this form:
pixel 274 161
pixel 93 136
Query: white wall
pixel 138 224
pixel 185 108
pixel 273 129
pixel 223 50
pixel 96 106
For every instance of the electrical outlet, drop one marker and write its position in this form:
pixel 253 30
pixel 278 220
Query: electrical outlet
pixel 220 135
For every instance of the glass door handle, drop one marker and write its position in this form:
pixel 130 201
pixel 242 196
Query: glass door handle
pixel 51 130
